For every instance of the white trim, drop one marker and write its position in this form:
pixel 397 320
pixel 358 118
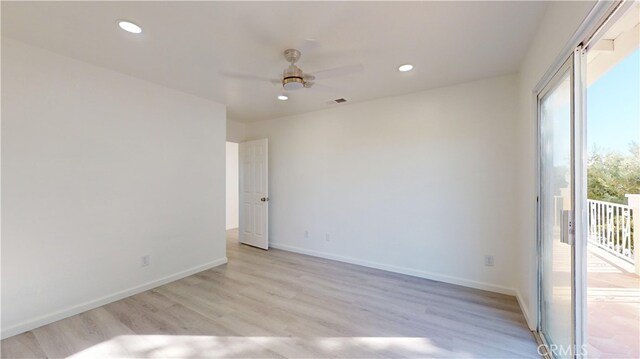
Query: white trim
pixel 402 270
pixel 92 304
pixel 525 311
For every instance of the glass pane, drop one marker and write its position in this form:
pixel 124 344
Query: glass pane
pixel 555 200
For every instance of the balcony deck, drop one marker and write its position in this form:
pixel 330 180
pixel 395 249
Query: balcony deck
pixel 613 299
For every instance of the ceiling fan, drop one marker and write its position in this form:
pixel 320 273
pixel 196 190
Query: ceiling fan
pixel 293 78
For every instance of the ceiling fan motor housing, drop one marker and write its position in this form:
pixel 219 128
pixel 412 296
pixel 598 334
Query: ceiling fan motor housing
pixel 292 55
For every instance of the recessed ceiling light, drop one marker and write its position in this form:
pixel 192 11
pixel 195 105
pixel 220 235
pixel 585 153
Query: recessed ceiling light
pixel 129 26
pixel 283 97
pixel 405 68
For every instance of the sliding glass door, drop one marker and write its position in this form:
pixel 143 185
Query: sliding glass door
pixel 563 231
pixel 556 212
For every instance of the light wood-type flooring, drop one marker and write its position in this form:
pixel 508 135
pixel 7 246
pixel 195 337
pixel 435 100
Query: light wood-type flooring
pixel 265 304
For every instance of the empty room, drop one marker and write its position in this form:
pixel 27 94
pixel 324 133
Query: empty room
pixel 423 179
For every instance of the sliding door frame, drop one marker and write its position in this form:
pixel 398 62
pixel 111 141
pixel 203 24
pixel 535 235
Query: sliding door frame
pixel 574 52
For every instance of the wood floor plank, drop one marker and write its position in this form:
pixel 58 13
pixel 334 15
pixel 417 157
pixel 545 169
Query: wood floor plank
pixel 277 304
pixel 80 332
pixel 23 345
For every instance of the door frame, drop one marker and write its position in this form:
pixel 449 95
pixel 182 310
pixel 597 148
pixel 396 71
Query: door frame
pixel 589 31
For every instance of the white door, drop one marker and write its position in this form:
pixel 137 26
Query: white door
pixel 254 194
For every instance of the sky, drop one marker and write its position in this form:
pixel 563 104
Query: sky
pixel 613 107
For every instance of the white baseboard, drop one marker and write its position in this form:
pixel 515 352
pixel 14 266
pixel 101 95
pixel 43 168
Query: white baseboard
pixel 402 270
pixel 92 304
pixel 525 311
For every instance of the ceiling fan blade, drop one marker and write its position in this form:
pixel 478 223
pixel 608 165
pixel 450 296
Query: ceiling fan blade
pixel 338 71
pixel 249 77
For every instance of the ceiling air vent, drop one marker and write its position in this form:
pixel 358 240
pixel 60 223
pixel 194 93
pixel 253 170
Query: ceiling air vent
pixel 336 101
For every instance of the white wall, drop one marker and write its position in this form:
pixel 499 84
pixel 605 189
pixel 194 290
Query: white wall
pixel 559 23
pixel 235 131
pixel 99 169
pixel 420 184
pixel 233 201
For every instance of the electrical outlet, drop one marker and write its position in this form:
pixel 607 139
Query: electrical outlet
pixel 145 260
pixel 327 237
pixel 488 261
pixel 306 234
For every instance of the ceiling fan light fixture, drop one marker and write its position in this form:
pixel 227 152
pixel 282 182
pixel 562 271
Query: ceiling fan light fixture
pixel 283 97
pixel 292 83
pixel 292 77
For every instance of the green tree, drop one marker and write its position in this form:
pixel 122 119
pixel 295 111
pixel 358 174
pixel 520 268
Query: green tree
pixel 611 175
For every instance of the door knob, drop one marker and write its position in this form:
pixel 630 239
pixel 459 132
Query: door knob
pixel 264 199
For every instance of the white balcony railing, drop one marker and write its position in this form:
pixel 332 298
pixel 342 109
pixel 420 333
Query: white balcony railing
pixel 610 228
